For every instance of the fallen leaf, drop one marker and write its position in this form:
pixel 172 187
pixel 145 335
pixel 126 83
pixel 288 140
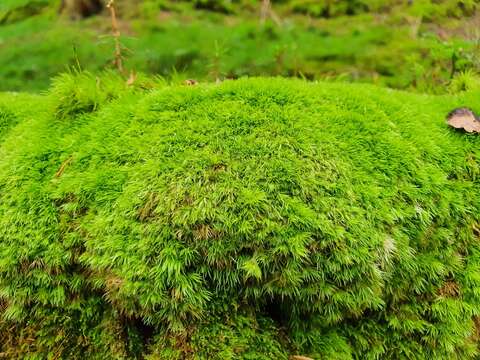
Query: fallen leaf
pixel 464 118
pixel 190 82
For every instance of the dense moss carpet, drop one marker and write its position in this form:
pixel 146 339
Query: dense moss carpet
pixel 254 219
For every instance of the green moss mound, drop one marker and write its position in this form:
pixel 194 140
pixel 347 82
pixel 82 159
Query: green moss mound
pixel 254 219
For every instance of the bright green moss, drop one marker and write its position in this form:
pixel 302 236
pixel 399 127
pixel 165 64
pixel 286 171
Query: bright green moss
pixel 342 220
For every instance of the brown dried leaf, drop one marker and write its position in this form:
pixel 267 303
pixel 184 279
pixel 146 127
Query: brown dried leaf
pixel 450 289
pixel 205 232
pixel 190 82
pixel 131 78
pixel 464 118
pixel 147 210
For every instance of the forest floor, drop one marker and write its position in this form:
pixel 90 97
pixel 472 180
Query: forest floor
pixel 403 48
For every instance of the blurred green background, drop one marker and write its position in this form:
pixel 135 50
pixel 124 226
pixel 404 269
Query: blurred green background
pixel 422 45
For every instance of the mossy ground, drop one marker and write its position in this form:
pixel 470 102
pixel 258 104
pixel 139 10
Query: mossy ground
pixel 420 47
pixel 252 219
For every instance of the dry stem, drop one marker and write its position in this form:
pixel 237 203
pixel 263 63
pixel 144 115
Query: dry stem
pixel 116 36
pixel 267 11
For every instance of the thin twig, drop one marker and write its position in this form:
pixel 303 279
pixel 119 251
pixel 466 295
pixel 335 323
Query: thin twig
pixel 63 166
pixel 116 36
pixel 267 12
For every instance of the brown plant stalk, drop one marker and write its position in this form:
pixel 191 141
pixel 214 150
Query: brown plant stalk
pixel 118 61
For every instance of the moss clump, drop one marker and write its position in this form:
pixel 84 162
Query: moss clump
pixel 80 93
pixel 338 221
pixel 83 93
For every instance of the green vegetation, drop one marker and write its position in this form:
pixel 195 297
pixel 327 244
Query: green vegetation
pixel 420 47
pixel 248 216
pixel 254 219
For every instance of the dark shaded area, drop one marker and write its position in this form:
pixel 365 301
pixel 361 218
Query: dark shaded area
pixel 77 9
